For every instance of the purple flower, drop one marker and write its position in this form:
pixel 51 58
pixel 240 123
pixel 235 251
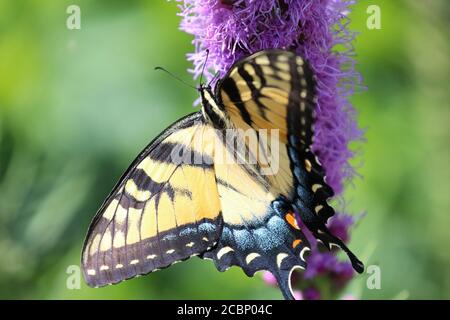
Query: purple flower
pixel 343 271
pixel 340 224
pixel 269 278
pixel 232 29
pixel 320 263
pixel 298 295
pixel 325 263
pixel 311 294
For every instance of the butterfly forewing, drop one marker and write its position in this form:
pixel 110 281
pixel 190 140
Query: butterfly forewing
pixel 165 208
pixel 273 93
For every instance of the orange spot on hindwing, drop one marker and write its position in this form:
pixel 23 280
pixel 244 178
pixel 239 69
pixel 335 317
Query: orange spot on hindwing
pixel 290 218
pixel 296 243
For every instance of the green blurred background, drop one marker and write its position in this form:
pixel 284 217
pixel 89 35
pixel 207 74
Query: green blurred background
pixel 76 106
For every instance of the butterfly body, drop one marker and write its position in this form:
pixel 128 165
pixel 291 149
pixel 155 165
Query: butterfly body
pixel 211 111
pixel 223 183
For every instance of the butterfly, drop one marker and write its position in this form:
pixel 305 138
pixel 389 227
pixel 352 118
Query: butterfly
pixel 224 183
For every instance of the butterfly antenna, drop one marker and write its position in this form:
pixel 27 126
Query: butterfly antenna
pixel 175 77
pixel 204 65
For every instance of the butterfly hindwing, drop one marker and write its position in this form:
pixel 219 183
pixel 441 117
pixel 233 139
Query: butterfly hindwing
pixel 164 209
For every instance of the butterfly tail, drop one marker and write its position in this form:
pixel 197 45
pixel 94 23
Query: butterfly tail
pixel 330 240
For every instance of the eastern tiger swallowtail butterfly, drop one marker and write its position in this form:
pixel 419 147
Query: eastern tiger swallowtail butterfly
pixel 237 212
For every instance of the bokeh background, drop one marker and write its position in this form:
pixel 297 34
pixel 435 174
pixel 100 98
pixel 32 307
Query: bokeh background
pixel 76 106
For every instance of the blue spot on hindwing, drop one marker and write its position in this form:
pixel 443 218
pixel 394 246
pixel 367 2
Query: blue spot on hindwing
pixel 265 239
pixel 188 231
pixel 170 237
pixel 207 227
pixel 227 235
pixel 278 227
pixel 271 236
pixel 244 239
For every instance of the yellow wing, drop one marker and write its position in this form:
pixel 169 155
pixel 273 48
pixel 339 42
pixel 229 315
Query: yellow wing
pixel 272 93
pixel 164 209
